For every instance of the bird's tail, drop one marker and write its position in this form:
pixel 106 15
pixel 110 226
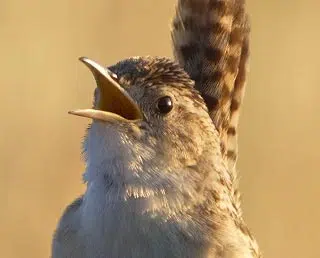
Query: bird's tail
pixel 211 41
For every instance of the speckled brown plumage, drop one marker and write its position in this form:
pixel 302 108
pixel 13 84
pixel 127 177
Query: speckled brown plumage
pixel 161 184
pixel 210 40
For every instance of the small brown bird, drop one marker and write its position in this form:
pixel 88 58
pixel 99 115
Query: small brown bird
pixel 160 173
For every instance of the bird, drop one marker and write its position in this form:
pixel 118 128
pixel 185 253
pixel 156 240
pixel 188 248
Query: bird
pixel 160 177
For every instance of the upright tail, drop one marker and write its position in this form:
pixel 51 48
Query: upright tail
pixel 211 41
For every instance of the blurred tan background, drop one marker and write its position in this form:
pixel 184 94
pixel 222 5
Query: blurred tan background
pixel 41 79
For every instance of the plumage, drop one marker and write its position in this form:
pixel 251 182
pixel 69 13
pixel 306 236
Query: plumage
pixel 211 41
pixel 160 182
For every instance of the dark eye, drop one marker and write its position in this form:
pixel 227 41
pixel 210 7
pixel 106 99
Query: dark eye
pixel 165 105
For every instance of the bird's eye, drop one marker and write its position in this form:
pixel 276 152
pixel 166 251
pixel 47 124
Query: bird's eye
pixel 165 105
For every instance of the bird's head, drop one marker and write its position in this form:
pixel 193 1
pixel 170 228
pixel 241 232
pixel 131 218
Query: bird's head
pixel 151 131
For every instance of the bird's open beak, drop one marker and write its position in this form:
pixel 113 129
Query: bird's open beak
pixel 114 103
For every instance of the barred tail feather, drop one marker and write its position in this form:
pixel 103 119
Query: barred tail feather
pixel 210 40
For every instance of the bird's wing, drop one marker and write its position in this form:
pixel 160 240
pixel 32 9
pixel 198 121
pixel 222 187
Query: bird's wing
pixel 65 242
pixel 211 41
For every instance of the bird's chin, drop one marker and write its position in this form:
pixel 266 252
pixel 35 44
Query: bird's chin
pixel 109 142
